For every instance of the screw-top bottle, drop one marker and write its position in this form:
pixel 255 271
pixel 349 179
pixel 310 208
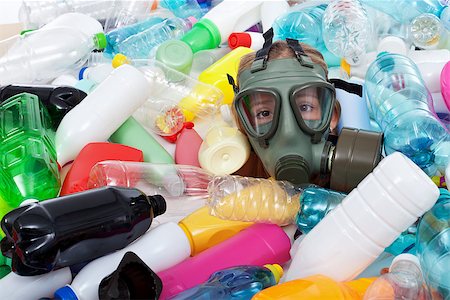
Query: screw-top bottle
pixel 427 32
pixel 76 228
pixel 404 281
pixel 184 8
pixel 127 12
pixel 238 282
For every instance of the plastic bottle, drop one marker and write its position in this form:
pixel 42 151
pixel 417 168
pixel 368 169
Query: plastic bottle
pixel 76 228
pixel 10 197
pixel 58 100
pixel 205 58
pixel 77 177
pixel 101 112
pixel 399 101
pixel 160 248
pixel 445 17
pixel 432 247
pixel 175 55
pixel 252 40
pixel 404 281
pixel 270 10
pixel 27 149
pixel 127 12
pixel 139 46
pixel 445 84
pixel 427 32
pixel 96 73
pixel 79 21
pixel 166 179
pixel 346 29
pixel 36 56
pixel 187 146
pixel 14 286
pixel 184 8
pixel 259 244
pixel 316 287
pixel 238 282
pixel 357 231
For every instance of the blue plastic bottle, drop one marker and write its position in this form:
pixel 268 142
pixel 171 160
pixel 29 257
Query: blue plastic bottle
pixel 184 8
pixel 116 36
pixel 241 282
pixel 139 46
pixel 399 101
pixel 433 245
pixel 305 26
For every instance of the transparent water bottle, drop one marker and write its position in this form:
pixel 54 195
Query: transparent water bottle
pixel 445 18
pixel 399 101
pixel 140 45
pixel 41 55
pixel 433 244
pixel 346 29
pixel 184 8
pixel 428 32
pixel 127 12
pixel 404 281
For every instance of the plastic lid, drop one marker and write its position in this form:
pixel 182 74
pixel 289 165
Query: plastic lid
pixel 100 41
pixel 277 271
pixel 392 44
pixel 405 256
pixel 159 204
pixel 176 55
pixel 204 35
pixel 119 59
pixel 65 293
pixel 81 73
pixel 237 39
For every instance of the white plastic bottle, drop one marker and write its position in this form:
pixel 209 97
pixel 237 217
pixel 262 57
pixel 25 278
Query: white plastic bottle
pixel 102 112
pixel 84 23
pixel 369 219
pixel 270 10
pixel 15 287
pixel 160 248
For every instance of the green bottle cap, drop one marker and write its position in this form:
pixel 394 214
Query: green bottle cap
pixel 176 55
pixel 26 30
pixel 204 35
pixel 100 41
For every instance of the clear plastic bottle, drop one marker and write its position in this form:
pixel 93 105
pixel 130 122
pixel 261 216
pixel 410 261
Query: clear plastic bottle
pixel 404 281
pixel 445 18
pixel 140 45
pixel 42 55
pixel 127 12
pixel 399 100
pixel 346 29
pixel 428 32
pixel 165 179
pixel 433 244
pixel 253 199
pixel 184 8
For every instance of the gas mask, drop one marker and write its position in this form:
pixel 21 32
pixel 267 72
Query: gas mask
pixel 285 107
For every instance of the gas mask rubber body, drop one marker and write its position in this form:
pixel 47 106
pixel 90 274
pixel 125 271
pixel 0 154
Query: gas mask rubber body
pixel 285 107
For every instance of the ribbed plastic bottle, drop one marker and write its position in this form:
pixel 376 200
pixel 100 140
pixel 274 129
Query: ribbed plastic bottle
pixel 184 8
pixel 41 55
pixel 234 283
pixel 445 17
pixel 346 29
pixel 139 46
pixel 356 232
pixel 399 101
pixel 404 281
pixel 433 243
pixel 76 228
pixel 127 12
pixel 428 32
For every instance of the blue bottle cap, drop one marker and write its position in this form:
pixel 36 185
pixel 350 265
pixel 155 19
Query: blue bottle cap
pixel 65 293
pixel 81 73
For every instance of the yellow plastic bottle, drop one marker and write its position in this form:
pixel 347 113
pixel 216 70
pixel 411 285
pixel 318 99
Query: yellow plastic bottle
pixel 205 231
pixel 316 287
pixel 216 74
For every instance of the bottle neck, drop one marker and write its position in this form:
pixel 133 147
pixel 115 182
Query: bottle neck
pixel 407 268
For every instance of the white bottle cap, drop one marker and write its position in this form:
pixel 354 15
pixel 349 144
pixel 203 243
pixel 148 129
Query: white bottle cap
pixel 392 44
pixel 405 256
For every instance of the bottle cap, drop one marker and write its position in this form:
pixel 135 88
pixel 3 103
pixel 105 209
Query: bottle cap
pixel 26 31
pixel 81 73
pixel 65 293
pixel 159 204
pixel 119 59
pixel 237 39
pixel 345 66
pixel 203 35
pixel 392 44
pixel 100 41
pixel 176 55
pixel 405 257
pixel 277 271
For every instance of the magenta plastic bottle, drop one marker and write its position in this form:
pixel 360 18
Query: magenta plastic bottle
pixel 258 245
pixel 187 146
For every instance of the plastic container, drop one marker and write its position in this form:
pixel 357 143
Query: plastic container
pixel 187 146
pixel 445 17
pixel 79 21
pixel 258 245
pixel 10 197
pixel 160 248
pixel 76 228
pixel 205 58
pixel 238 282
pixel 127 12
pixel 433 242
pixel 355 233
pixel 36 56
pixel 96 74
pixel 346 29
pixel 445 84
pixel 427 32
pixel 399 101
pixel 184 8
pixel 101 112
pixel 270 10
pixel 404 281
pixel 27 148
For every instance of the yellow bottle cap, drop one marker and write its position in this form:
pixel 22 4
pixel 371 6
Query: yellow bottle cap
pixel 119 59
pixel 345 66
pixel 277 271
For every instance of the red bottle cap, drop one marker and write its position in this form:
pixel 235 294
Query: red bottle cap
pixel 238 39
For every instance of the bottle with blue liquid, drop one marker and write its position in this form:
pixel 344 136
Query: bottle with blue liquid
pixel 399 101
pixel 241 282
pixel 306 26
pixel 184 8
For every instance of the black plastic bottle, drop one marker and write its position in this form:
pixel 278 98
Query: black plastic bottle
pixel 64 231
pixel 58 100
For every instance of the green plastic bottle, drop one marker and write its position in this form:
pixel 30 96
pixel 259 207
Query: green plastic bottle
pixel 27 149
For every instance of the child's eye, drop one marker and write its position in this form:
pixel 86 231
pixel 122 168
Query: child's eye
pixel 306 108
pixel 263 114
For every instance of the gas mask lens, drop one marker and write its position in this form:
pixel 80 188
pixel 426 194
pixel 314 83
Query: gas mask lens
pixel 258 111
pixel 312 106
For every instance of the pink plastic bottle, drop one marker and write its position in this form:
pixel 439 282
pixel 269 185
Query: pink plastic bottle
pixel 445 84
pixel 259 244
pixel 187 146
